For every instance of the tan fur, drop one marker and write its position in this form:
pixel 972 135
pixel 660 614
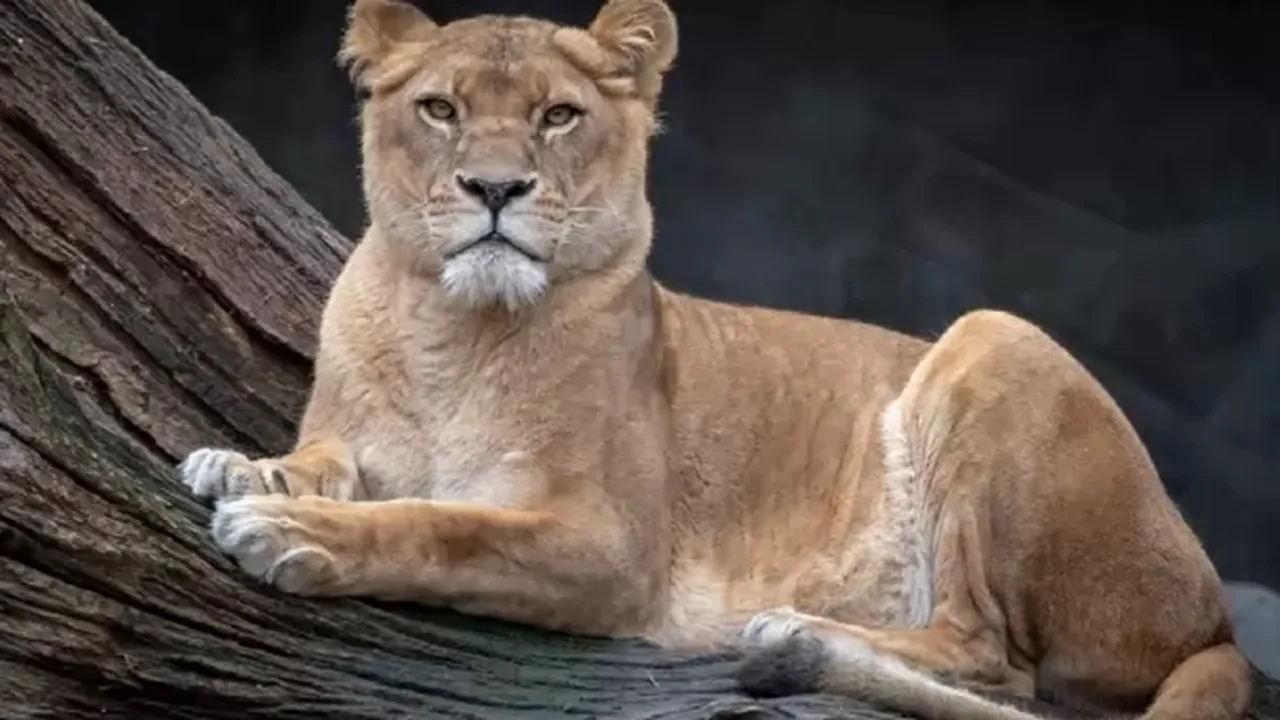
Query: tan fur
pixel 547 435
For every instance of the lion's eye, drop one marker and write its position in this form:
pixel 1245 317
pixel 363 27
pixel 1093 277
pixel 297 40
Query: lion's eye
pixel 438 109
pixel 560 115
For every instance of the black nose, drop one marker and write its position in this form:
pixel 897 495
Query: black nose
pixel 495 195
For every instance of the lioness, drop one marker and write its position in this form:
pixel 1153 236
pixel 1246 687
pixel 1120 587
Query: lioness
pixel 510 417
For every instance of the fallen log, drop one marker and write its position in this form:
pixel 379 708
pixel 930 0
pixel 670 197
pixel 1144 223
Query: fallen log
pixel 160 289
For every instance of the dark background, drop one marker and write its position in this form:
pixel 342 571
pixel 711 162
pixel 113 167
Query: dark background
pixel 1110 173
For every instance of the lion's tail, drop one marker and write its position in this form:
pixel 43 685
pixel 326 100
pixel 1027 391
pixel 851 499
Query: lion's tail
pixel 804 664
pixel 1214 684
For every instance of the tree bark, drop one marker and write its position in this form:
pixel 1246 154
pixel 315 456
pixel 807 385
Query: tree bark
pixel 160 289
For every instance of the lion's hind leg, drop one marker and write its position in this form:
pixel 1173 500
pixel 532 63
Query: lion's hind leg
pixel 935 671
pixel 946 438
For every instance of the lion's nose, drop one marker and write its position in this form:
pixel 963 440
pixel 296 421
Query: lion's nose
pixel 495 194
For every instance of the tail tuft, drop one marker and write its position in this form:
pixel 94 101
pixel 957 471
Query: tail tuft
pixel 805 664
pixel 796 666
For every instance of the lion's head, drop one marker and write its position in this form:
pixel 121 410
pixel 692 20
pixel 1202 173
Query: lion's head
pixel 508 153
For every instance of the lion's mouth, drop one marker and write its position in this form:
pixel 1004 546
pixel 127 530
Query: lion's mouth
pixel 495 238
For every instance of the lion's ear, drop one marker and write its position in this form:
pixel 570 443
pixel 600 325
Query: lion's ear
pixel 374 29
pixel 641 34
pixel 633 39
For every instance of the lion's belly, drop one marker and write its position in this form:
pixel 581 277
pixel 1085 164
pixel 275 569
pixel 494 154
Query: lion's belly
pixel 870 564
pixel 874 583
pixel 884 575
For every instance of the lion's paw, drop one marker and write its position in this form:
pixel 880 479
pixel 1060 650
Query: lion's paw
pixel 212 473
pixel 215 474
pixel 270 539
pixel 776 625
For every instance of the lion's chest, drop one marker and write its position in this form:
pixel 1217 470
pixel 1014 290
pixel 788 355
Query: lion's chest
pixel 448 450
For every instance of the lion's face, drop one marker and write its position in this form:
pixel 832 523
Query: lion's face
pixel 508 153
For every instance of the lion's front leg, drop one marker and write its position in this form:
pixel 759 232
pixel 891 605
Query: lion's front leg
pixel 531 566
pixel 299 545
pixel 325 468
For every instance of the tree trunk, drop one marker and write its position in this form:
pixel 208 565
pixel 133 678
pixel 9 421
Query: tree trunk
pixel 159 291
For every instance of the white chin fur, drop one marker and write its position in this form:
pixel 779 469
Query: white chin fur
pixel 486 276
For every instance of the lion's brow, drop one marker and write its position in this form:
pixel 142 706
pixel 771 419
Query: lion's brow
pixel 506 42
